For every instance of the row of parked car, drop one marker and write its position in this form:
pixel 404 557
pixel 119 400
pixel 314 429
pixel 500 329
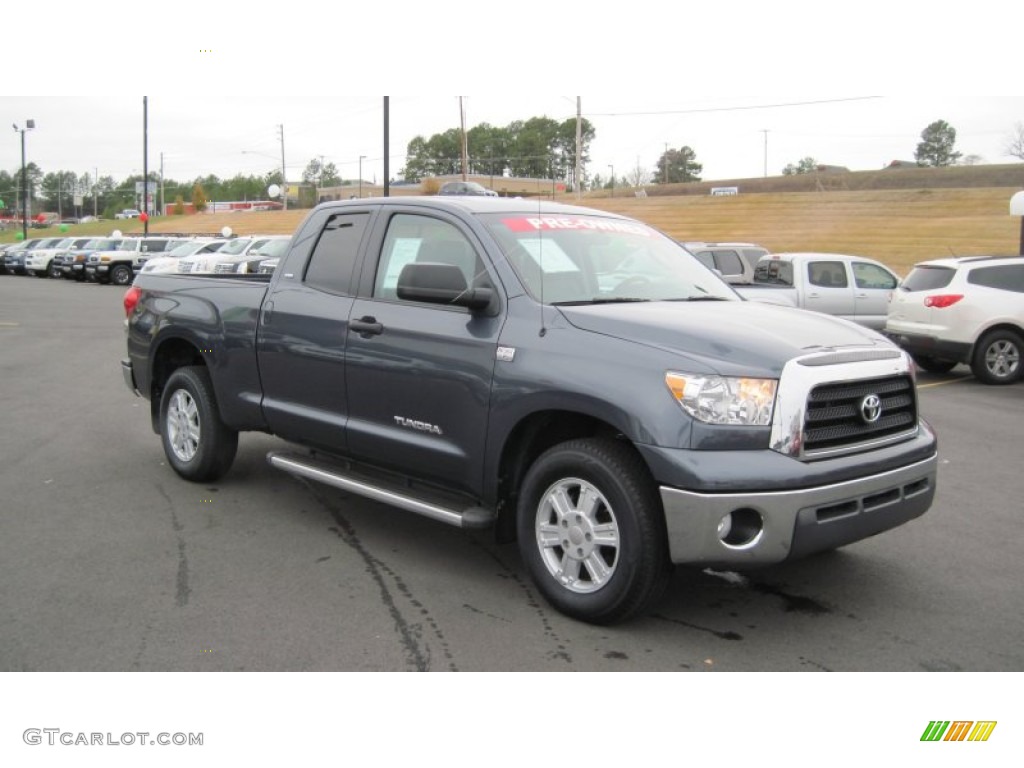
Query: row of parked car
pixel 949 311
pixel 117 260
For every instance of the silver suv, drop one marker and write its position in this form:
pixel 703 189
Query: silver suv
pixel 963 310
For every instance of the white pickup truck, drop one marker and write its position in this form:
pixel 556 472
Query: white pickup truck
pixel 852 287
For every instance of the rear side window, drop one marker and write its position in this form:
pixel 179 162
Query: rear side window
pixel 1007 278
pixel 334 257
pixel 827 274
pixel 728 262
pixel 928 278
pixel 872 276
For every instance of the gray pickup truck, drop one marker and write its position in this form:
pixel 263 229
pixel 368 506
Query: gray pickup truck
pixel 557 373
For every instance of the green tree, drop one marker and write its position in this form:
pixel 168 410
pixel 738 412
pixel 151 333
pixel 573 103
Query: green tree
pixel 806 165
pixel 179 206
pixel 678 165
pixel 936 145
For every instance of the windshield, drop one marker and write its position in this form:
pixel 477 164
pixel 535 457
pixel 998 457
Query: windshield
pixel 129 245
pixel 590 259
pixel 272 248
pixel 185 249
pixel 236 246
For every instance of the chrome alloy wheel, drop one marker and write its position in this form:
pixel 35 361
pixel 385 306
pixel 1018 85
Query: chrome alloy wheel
pixel 183 429
pixel 577 535
pixel 1002 358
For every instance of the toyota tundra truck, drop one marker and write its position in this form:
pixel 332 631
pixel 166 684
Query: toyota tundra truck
pixel 573 379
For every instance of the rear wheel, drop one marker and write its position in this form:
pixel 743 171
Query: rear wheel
pixel 198 445
pixel 591 531
pixel 996 357
pixel 121 274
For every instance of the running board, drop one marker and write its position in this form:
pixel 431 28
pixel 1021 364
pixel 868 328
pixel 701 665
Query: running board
pixel 322 472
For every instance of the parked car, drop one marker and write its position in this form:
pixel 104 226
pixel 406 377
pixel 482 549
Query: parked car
pixel 465 188
pixel 39 260
pixel 119 266
pixel 73 266
pixel 169 261
pixel 466 359
pixel 248 260
pixel 735 262
pixel 963 310
pixel 852 287
pixel 127 213
pixel 14 256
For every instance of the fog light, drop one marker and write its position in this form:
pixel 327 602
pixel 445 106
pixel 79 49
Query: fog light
pixel 740 528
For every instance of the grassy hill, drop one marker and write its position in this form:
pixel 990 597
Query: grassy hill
pixel 898 216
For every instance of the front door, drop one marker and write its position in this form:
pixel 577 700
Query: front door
pixel 419 375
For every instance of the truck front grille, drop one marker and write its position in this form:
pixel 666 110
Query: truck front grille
pixel 843 415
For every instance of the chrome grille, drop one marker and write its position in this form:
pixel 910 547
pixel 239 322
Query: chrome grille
pixel 834 417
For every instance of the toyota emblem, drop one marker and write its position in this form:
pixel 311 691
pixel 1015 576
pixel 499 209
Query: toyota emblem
pixel 871 409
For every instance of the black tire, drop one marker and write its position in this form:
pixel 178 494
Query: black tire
pixel 602 584
pixel 121 274
pixel 933 365
pixel 41 273
pixel 198 445
pixel 997 357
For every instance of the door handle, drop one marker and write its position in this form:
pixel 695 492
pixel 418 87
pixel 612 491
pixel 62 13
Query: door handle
pixel 366 327
pixel 268 309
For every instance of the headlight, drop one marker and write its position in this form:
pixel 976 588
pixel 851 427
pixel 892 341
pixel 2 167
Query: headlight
pixel 724 399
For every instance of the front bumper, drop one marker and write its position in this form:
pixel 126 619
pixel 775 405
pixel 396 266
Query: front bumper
pixel 798 522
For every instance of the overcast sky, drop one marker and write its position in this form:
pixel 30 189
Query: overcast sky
pixel 745 85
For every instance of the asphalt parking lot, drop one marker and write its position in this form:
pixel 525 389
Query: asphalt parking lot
pixel 111 562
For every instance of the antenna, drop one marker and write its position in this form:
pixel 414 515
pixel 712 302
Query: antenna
pixel 540 260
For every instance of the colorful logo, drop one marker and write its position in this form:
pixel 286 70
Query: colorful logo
pixel 959 730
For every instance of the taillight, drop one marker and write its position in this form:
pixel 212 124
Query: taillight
pixel 942 300
pixel 131 298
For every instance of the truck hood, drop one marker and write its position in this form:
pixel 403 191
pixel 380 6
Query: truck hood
pixel 729 337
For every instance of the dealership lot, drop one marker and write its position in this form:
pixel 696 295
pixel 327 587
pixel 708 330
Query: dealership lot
pixel 111 562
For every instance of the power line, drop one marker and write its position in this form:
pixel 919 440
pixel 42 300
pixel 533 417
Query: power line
pixel 731 109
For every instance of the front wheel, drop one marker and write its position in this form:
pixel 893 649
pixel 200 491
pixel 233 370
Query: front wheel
pixel 591 531
pixel 996 357
pixel 198 445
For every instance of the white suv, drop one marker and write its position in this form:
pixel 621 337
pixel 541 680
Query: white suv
pixel 963 310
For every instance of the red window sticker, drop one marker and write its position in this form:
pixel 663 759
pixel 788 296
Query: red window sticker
pixel 554 223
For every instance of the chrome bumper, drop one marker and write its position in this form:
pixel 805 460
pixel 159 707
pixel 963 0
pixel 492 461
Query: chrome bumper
pixel 796 523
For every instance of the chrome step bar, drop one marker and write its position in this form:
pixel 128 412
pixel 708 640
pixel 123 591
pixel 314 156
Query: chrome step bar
pixel 310 468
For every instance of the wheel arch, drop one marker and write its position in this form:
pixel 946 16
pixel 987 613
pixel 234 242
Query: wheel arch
pixel 532 436
pixel 169 355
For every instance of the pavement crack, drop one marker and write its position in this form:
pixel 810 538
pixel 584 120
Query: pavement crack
pixel 181 587
pixel 410 633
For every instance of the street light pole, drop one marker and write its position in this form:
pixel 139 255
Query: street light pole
pixel 361 158
pixel 29 125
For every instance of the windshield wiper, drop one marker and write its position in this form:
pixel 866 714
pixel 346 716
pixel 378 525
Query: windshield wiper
pixel 598 300
pixel 700 298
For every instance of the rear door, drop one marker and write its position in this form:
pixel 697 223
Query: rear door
pixel 303 330
pixel 873 287
pixel 419 375
pixel 828 287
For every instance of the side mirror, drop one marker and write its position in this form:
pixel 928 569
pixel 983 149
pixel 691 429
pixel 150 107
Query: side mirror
pixel 441 284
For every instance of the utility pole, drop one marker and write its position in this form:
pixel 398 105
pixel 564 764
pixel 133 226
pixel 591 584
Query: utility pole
pixel 145 163
pixel 465 148
pixel 387 141
pixel 579 149
pixel 765 132
pixel 284 177
pixel 162 182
